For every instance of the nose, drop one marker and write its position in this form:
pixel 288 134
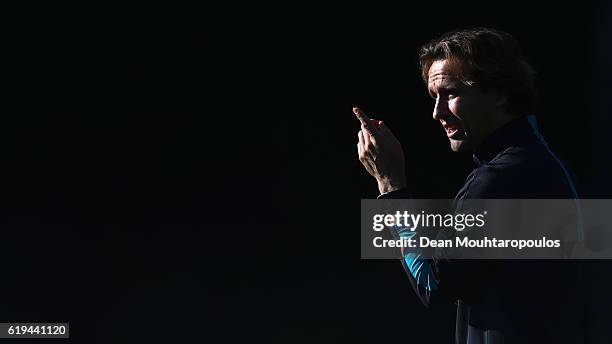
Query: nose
pixel 441 110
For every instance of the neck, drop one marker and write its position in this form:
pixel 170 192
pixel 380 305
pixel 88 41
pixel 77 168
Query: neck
pixel 501 120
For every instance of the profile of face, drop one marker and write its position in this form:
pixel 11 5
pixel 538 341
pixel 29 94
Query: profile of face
pixel 467 113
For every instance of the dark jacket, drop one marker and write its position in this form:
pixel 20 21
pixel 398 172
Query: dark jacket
pixel 511 301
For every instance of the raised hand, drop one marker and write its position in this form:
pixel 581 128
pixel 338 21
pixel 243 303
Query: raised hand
pixel 380 153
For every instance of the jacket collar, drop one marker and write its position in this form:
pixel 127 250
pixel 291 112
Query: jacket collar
pixel 508 135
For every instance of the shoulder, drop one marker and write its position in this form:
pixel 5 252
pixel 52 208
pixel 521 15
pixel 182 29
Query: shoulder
pixel 526 171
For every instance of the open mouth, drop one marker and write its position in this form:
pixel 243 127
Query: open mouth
pixel 452 132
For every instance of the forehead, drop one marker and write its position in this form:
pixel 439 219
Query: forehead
pixel 441 72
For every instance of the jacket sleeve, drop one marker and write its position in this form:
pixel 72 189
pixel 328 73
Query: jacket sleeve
pixel 435 281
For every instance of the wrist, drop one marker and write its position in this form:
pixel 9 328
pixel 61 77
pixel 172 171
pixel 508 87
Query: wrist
pixel 386 185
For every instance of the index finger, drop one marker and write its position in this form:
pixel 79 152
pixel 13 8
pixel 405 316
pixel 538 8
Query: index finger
pixel 362 117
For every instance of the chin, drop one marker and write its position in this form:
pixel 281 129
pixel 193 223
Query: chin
pixel 459 146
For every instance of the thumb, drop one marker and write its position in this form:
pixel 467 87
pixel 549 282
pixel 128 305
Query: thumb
pixel 376 124
pixel 383 128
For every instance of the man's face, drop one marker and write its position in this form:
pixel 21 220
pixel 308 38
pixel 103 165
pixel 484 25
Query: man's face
pixel 466 113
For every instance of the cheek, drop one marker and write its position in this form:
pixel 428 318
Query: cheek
pixel 456 107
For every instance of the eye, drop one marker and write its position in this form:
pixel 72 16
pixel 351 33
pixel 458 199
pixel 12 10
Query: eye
pixel 452 93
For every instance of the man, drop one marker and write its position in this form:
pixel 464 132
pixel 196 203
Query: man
pixel 484 99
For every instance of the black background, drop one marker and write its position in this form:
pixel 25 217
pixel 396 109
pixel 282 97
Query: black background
pixel 191 173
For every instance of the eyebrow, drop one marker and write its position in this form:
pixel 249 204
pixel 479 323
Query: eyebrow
pixel 449 86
